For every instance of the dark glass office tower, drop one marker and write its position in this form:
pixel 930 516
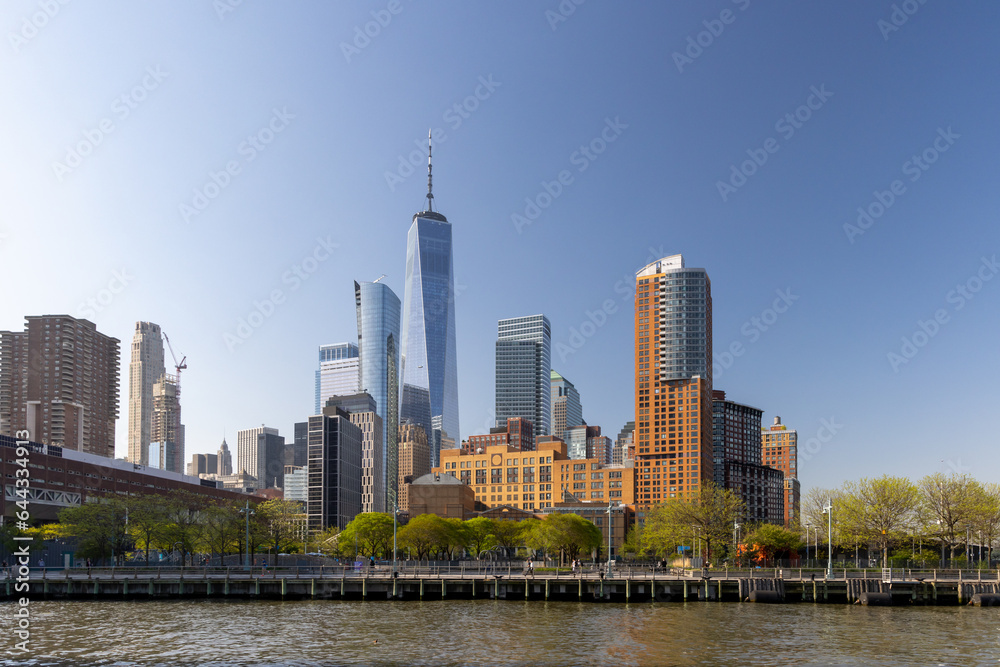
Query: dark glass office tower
pixel 523 371
pixel 334 486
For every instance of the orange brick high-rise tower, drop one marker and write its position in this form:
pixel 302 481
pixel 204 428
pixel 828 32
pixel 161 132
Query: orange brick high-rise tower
pixel 673 381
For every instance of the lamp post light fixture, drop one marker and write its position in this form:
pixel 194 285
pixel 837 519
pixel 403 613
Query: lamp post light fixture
pixel 828 511
pixel 247 511
pixel 610 509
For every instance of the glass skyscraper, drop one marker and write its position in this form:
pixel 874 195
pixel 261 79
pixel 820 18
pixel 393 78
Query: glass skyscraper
pixel 429 366
pixel 378 349
pixel 338 374
pixel 566 408
pixel 523 371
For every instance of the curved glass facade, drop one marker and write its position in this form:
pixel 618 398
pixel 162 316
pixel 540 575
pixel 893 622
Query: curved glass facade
pixel 378 310
pixel 429 366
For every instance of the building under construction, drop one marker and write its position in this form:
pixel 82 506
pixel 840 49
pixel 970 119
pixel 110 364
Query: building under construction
pixel 166 446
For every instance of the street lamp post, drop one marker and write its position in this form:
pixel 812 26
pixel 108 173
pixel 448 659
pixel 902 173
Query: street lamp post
pixel 828 511
pixel 808 526
pixel 941 530
pixel 395 520
pixel 739 538
pixel 247 511
pixel 610 510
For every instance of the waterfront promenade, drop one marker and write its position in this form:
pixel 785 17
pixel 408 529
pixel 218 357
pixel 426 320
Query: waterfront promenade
pixel 511 581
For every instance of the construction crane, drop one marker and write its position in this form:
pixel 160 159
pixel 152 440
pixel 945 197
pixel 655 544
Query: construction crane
pixel 177 366
pixel 379 278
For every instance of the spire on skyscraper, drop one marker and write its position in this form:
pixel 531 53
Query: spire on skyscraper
pixel 430 188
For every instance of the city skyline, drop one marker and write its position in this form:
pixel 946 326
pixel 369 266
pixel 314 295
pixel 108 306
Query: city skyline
pixel 835 185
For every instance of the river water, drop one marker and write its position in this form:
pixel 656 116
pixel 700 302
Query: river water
pixel 488 632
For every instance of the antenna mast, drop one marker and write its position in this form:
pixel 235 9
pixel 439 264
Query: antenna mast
pixel 430 193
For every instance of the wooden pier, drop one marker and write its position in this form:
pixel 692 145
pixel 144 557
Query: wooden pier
pixel 634 587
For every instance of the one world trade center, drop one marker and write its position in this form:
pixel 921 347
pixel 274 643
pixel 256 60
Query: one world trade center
pixel 429 369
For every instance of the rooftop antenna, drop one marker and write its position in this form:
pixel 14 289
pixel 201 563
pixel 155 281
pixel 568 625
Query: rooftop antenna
pixel 430 193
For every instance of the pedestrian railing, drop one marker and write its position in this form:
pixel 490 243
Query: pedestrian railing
pixel 405 570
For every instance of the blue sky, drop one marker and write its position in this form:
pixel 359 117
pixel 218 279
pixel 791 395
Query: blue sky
pixel 227 149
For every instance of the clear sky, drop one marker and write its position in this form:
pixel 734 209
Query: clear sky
pixel 186 162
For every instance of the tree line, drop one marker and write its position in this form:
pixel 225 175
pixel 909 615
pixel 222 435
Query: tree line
pixel 949 513
pixel 140 528
pixel 425 536
pixel 111 529
pixel 953 514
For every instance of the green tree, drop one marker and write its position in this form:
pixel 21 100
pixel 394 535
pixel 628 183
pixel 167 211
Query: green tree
pixel 456 536
pixel 510 534
pixel 633 545
pixel 707 517
pixel 568 534
pixel 223 525
pixel 768 542
pixel 8 532
pixel 948 504
pixel 373 532
pixel 147 518
pixel 328 543
pixel 985 523
pixel 278 518
pixel 881 511
pixel 423 533
pixel 100 527
pixel 479 534
pixel 183 527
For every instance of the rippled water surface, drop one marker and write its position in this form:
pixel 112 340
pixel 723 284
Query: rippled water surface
pixel 500 633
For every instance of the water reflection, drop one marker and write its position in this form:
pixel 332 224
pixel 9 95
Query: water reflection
pixel 213 632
